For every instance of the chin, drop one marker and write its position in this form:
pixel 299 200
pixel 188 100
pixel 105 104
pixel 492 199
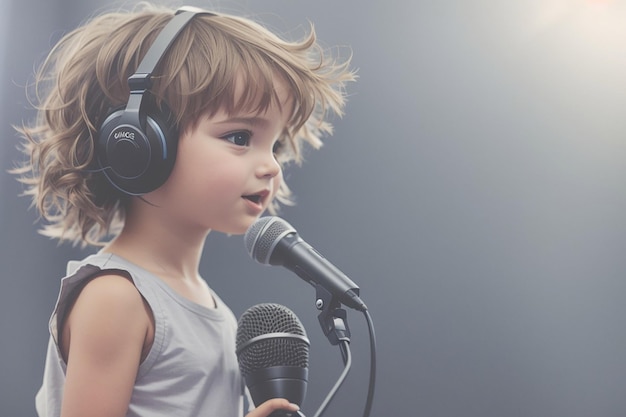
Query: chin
pixel 235 229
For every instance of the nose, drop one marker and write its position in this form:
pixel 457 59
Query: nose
pixel 268 167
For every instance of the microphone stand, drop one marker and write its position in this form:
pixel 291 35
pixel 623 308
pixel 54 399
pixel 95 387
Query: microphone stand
pixel 333 320
pixel 332 317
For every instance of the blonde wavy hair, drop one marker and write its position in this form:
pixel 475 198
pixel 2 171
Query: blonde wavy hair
pixel 85 75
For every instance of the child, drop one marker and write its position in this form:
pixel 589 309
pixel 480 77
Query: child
pixel 154 129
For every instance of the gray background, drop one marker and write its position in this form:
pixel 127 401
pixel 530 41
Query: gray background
pixel 474 190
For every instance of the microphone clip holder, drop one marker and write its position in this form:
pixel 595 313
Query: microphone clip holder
pixel 332 317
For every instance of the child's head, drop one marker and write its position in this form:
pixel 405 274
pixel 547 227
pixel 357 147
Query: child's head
pixel 217 63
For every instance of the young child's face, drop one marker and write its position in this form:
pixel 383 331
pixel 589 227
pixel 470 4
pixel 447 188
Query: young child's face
pixel 226 174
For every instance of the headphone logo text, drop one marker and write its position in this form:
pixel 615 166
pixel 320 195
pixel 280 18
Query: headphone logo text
pixel 124 134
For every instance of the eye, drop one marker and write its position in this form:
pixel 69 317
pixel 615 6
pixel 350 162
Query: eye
pixel 239 138
pixel 278 147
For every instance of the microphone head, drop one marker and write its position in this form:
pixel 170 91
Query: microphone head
pixel 263 235
pixel 270 335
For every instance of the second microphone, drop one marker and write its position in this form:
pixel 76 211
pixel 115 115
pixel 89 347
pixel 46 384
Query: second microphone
pixel 273 354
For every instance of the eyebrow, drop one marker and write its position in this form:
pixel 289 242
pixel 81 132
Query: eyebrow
pixel 250 121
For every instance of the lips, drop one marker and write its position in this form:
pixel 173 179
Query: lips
pixel 257 198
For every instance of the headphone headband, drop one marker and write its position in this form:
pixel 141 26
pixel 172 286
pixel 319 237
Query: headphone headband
pixel 141 79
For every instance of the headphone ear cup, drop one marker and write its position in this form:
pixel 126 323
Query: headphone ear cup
pixel 138 160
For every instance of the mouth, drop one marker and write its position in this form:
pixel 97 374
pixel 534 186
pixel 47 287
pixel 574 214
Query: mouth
pixel 257 198
pixel 254 198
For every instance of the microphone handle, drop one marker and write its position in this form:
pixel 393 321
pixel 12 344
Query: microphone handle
pixel 288 382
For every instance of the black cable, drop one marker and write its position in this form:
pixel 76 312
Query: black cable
pixel 347 358
pixel 372 382
pixel 345 349
pixel 344 353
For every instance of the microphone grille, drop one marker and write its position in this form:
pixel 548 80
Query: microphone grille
pixel 263 235
pixel 290 349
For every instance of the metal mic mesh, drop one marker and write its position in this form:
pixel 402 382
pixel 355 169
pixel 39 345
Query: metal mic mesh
pixel 266 319
pixel 263 235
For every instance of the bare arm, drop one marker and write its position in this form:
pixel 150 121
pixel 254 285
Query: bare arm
pixel 103 338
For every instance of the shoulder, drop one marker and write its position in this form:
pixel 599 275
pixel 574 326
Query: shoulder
pixel 107 312
pixel 113 291
pixel 106 298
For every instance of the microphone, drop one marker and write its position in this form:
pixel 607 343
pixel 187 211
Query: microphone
pixel 271 240
pixel 273 354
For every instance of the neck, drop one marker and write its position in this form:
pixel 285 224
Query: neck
pixel 162 246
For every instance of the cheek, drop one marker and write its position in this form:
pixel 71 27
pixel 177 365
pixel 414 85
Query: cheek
pixel 200 163
pixel 214 178
pixel 199 173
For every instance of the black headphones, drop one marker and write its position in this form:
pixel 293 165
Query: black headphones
pixel 137 144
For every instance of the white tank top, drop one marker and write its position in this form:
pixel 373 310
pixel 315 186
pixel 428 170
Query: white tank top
pixel 191 369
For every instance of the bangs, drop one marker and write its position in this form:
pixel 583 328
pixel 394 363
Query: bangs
pixel 209 71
